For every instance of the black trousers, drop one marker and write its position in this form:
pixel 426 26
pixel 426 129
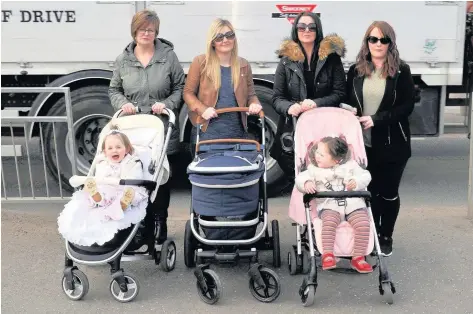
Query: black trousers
pixel 384 188
pixel 161 202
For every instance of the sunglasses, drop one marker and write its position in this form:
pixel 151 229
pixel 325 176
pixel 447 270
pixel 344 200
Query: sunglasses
pixel 374 40
pixel 301 27
pixel 228 35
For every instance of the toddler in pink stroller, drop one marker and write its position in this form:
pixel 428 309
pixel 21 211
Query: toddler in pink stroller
pixel 330 201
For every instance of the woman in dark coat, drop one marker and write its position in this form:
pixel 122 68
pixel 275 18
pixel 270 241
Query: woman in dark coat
pixel 148 75
pixel 381 87
pixel 310 74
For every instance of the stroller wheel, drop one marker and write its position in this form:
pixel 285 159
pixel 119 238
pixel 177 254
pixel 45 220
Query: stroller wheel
pixel 387 293
pixel 80 284
pixel 276 245
pixel 214 286
pixel 308 296
pixel 132 287
pixel 168 256
pixel 273 286
pixel 292 261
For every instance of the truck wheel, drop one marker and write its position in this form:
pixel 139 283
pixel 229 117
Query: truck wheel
pixel 277 183
pixel 91 110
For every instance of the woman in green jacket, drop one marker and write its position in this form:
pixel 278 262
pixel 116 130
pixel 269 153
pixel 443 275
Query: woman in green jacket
pixel 148 75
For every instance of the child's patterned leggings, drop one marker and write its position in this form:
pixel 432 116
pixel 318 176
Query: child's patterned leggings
pixel 358 219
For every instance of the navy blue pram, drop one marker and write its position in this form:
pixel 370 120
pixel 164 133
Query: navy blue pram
pixel 228 205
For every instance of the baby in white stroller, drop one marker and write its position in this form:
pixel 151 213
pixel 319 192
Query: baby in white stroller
pixel 96 213
pixel 112 218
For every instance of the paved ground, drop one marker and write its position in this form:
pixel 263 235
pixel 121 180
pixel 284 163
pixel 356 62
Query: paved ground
pixel 431 265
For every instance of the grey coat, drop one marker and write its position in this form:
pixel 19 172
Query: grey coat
pixel 161 81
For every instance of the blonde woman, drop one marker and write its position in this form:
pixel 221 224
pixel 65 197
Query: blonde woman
pixel 220 79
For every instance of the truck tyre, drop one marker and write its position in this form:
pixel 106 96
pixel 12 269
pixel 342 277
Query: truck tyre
pixel 91 110
pixel 277 183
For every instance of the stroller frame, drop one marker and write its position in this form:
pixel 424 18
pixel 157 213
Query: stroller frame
pixel 308 264
pixel 200 251
pixel 75 283
pixel 302 258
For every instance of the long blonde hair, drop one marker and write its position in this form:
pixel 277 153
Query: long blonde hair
pixel 212 62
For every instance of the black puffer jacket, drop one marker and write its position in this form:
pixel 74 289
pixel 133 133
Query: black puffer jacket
pixel 391 134
pixel 290 87
pixel 330 82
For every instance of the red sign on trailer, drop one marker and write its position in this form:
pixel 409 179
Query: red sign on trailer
pixel 290 11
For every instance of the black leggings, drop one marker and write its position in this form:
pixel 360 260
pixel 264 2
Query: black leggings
pixel 161 202
pixel 384 188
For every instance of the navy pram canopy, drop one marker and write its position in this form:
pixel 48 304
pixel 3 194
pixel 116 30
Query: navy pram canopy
pixel 225 183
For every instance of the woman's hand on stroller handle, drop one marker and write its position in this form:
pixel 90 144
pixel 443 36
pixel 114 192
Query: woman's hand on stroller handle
pixel 158 107
pixel 308 104
pixel 366 121
pixel 209 113
pixel 254 109
pixel 294 110
pixel 129 108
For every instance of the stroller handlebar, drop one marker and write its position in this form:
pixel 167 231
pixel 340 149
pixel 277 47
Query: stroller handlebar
pixel 238 109
pixel 166 112
pixel 77 181
pixel 228 140
pixel 338 194
pixel 200 120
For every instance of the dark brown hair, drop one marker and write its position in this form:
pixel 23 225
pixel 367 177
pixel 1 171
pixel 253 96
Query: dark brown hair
pixel 337 148
pixel 115 131
pixel 364 65
pixel 143 18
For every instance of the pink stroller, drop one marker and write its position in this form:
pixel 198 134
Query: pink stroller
pixel 310 128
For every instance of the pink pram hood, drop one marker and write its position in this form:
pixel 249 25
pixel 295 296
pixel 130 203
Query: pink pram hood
pixel 311 127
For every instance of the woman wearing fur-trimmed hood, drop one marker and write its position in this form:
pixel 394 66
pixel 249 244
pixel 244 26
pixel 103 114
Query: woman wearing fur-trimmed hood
pixel 310 74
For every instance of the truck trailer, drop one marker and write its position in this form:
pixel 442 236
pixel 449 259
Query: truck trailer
pixel 74 44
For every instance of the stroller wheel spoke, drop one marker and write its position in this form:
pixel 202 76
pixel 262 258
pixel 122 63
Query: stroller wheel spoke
pixel 272 289
pixel 80 285
pixel 133 287
pixel 121 295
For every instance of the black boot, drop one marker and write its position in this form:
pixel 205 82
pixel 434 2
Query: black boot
pixel 161 230
pixel 386 244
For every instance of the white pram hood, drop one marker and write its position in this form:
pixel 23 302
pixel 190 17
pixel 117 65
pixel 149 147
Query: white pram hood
pixel 146 134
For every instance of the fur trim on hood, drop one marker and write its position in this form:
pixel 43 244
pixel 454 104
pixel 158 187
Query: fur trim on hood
pixel 330 44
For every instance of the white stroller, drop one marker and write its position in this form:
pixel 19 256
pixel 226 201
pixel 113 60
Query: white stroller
pixel 146 133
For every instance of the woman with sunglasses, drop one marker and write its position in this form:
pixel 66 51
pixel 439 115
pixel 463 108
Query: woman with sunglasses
pixel 310 75
pixel 148 75
pixel 381 87
pixel 220 79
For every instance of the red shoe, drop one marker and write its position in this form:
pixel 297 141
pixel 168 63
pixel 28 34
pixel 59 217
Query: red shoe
pixel 328 261
pixel 361 265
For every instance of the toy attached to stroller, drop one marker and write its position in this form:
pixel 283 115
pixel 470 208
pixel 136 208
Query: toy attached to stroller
pixel 310 128
pixel 229 202
pixel 146 134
